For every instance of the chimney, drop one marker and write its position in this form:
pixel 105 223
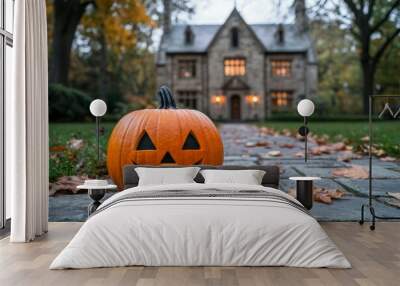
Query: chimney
pixel 280 34
pixel 189 36
pixel 301 15
pixel 167 16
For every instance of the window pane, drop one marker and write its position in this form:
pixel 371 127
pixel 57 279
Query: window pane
pixel 9 14
pixel 234 67
pixel 281 98
pixel 188 99
pixel 2 204
pixel 8 89
pixel 187 68
pixel 281 68
pixel 1 13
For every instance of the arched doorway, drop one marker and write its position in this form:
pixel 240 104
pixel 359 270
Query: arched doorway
pixel 235 107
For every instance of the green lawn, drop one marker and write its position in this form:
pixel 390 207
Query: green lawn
pixel 385 133
pixel 67 161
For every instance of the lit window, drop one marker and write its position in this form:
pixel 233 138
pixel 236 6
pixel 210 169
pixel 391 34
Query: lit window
pixel 188 99
pixel 281 98
pixel 281 68
pixel 187 68
pixel 234 67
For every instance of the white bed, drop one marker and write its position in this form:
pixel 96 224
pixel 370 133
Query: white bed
pixel 202 231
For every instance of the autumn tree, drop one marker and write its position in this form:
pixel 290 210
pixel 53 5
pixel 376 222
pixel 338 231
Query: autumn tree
pixel 338 71
pixel 66 18
pixel 111 33
pixel 373 24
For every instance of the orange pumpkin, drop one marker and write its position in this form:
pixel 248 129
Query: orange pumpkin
pixel 163 136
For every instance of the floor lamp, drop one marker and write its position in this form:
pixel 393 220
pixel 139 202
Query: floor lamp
pixel 98 108
pixel 305 108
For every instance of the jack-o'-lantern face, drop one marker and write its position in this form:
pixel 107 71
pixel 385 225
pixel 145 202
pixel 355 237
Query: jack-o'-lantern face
pixel 145 147
pixel 165 136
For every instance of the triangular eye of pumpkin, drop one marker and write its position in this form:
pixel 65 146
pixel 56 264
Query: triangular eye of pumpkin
pixel 191 143
pixel 167 159
pixel 145 143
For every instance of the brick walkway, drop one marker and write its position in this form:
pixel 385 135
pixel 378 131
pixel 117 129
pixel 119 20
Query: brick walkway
pixel 237 136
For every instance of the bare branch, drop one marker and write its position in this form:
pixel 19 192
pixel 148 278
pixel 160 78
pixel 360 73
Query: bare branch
pixel 355 34
pixel 386 16
pixel 371 8
pixel 352 6
pixel 384 46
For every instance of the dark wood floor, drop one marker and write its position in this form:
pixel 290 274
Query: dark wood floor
pixel 375 257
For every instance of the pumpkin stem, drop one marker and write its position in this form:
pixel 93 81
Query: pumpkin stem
pixel 162 100
pixel 167 100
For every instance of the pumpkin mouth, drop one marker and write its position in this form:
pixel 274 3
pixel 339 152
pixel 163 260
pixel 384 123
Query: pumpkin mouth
pixel 168 159
pixel 200 162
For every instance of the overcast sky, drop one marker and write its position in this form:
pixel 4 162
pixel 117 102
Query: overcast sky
pixel 253 11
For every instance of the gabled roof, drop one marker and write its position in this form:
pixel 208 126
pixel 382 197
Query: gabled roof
pixel 294 41
pixel 234 13
pixel 235 83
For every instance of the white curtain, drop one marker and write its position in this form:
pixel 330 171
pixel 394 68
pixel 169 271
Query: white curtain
pixel 27 124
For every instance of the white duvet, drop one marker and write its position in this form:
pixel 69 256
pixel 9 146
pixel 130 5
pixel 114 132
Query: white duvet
pixel 200 231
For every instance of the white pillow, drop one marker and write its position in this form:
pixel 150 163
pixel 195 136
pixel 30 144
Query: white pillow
pixel 248 177
pixel 166 176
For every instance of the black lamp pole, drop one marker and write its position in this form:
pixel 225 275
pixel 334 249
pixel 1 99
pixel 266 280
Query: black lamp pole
pixel 305 139
pixel 98 141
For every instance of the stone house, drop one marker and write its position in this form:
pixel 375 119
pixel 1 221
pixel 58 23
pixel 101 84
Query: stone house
pixel 237 71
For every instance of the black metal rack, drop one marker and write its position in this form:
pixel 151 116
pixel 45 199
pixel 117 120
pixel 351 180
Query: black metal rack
pixel 369 205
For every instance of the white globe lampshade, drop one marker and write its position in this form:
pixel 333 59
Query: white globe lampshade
pixel 98 107
pixel 305 107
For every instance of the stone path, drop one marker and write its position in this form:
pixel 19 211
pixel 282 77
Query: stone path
pixel 237 136
pixel 386 174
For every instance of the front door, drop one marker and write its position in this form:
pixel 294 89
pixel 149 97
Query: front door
pixel 235 107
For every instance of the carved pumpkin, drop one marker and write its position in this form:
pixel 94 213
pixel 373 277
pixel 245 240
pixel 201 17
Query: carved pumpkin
pixel 163 136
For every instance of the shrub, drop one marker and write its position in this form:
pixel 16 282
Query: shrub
pixel 67 104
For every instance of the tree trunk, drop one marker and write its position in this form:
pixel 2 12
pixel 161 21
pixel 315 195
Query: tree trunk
pixel 167 16
pixel 368 74
pixel 367 66
pixel 102 79
pixel 67 15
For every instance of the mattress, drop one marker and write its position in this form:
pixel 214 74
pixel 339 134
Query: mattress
pixel 201 225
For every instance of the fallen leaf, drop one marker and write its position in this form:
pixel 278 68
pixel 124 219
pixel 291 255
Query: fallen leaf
pixel 338 146
pixel 319 150
pixel 388 159
pixel 299 155
pixel 321 195
pixel 286 145
pixel 274 153
pixel 380 152
pixel 67 185
pixel 58 148
pixel 250 144
pixel 75 144
pixel 322 198
pixel 365 139
pixel 347 156
pixel 354 172
pixel 263 144
pixel 320 140
pixel 335 194
pixel 286 132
